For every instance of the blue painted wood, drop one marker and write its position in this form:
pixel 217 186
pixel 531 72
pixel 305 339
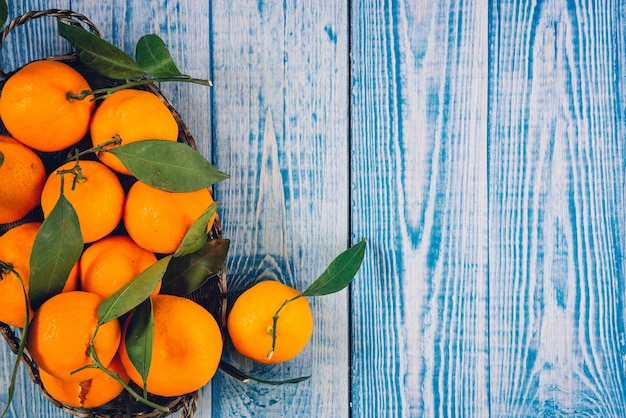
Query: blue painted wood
pixel 419 170
pixel 280 123
pixel 557 210
pixel 478 145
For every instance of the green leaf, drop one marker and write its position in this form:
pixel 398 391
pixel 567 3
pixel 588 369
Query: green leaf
pixel 189 272
pixel 339 273
pixel 245 378
pixel 57 247
pixel 100 55
pixel 4 12
pixel 133 292
pixel 196 236
pixel 1 158
pixel 139 338
pixel 168 165
pixel 154 58
pixel 23 338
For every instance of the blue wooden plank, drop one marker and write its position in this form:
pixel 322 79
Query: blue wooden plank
pixel 281 124
pixel 557 210
pixel 419 172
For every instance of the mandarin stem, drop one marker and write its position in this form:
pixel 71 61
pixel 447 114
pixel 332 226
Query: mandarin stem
pixel 272 329
pixel 116 140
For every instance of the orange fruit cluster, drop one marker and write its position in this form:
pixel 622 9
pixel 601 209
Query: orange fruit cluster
pixel 125 230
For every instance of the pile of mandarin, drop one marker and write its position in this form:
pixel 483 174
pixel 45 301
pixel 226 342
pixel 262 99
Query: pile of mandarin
pixel 42 119
pixel 39 110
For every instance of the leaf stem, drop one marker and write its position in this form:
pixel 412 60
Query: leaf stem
pixel 76 154
pixel 75 170
pixel 272 329
pixel 103 93
pixel 6 268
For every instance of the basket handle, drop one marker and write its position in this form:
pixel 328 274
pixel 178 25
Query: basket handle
pixel 68 16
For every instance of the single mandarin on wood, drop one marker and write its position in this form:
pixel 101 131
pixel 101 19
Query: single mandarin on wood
pixel 251 322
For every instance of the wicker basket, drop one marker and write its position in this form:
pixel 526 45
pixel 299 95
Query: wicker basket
pixel 212 295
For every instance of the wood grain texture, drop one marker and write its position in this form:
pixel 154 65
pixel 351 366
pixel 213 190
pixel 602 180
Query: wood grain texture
pixel 556 211
pixel 479 146
pixel 419 169
pixel 32 40
pixel 280 123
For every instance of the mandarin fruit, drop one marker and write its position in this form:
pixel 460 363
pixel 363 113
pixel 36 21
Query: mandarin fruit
pixel 36 110
pixel 22 175
pixel 158 220
pixel 186 348
pixel 97 198
pixel 132 115
pixel 15 249
pixel 110 263
pixel 90 393
pixel 60 333
pixel 250 322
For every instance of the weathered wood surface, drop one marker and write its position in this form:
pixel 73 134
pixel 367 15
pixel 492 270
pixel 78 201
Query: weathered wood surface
pixel 479 146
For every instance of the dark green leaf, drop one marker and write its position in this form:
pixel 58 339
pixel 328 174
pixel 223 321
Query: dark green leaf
pixel 339 273
pixel 168 165
pixel 57 247
pixel 196 236
pixel 1 158
pixel 100 55
pixel 189 272
pixel 154 58
pixel 133 292
pixel 245 378
pixel 139 338
pixel 4 12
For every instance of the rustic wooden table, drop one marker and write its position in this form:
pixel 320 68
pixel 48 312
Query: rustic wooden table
pixel 479 146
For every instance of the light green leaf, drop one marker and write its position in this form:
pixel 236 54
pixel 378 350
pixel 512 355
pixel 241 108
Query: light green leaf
pixel 154 58
pixel 339 273
pixel 188 273
pixel 139 338
pixel 57 247
pixel 100 55
pixel 133 292
pixel 168 165
pixel 196 236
